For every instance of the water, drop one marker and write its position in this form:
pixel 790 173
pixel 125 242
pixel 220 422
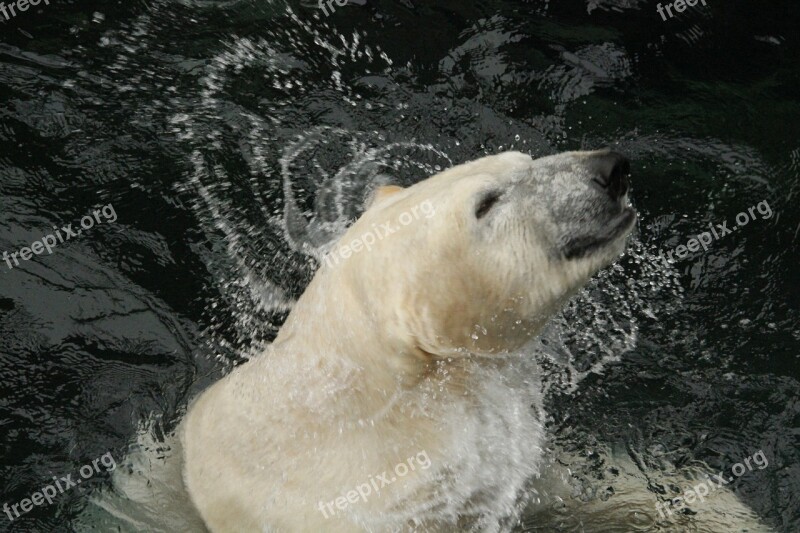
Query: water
pixel 237 139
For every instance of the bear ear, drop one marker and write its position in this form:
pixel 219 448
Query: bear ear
pixel 381 193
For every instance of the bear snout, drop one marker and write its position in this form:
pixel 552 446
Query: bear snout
pixel 610 172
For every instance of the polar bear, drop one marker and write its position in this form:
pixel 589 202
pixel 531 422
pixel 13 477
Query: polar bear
pixel 397 397
pixel 405 351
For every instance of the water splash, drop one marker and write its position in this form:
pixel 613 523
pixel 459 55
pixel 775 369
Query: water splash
pixel 601 323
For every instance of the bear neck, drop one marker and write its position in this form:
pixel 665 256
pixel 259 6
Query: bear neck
pixel 341 339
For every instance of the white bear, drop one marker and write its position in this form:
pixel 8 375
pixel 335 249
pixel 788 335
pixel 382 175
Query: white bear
pixel 405 350
pixel 397 396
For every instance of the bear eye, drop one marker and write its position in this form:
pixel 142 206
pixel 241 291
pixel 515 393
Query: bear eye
pixel 486 204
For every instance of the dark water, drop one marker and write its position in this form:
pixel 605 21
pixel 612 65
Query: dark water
pixel 197 120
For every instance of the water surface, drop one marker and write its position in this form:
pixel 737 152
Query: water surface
pixel 235 141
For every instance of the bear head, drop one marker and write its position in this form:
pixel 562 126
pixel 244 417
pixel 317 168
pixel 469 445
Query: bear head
pixel 474 260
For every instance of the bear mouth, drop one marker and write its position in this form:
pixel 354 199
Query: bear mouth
pixel 619 226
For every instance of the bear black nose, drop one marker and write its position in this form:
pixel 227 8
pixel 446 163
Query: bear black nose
pixel 611 170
